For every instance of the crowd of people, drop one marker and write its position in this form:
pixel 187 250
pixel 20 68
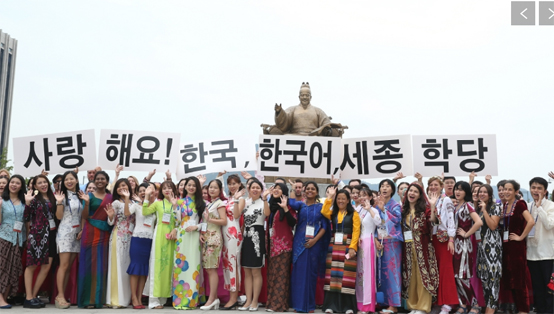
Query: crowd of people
pixel 236 244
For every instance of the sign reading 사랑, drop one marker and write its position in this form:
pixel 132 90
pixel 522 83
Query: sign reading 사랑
pixel 138 150
pixel 54 153
pixel 455 155
pixel 299 156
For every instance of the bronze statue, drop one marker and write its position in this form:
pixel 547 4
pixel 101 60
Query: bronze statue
pixel 303 119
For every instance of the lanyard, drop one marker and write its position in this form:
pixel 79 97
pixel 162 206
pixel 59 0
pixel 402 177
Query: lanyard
pixel 14 211
pixel 531 212
pixel 507 226
pixel 78 202
pixel 308 208
pixel 411 221
pixel 163 204
pixel 341 224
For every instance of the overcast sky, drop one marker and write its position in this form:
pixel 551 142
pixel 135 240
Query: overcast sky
pixel 213 68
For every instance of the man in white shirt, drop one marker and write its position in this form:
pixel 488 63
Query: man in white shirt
pixel 540 245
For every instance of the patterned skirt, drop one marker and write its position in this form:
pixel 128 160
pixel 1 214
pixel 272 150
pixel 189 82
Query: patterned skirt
pixel 10 267
pixel 340 279
pixel 278 282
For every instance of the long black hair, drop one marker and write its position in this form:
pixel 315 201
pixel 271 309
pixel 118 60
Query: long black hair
pixel 115 195
pixel 220 186
pixel 49 192
pixel 421 203
pixel 235 178
pixel 63 188
pixel 107 179
pixel 464 186
pixel 198 199
pixel 316 189
pixel 349 207
pixel 22 190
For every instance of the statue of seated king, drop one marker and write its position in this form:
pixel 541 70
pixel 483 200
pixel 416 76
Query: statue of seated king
pixel 303 119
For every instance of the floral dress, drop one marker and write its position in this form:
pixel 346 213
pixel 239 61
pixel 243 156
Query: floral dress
pixel 70 225
pixel 253 247
pixel 232 243
pixel 211 250
pixel 119 289
pixel 42 237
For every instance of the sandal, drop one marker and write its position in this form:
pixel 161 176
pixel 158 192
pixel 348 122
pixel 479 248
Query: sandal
pixel 387 311
pixel 476 309
pixel 463 308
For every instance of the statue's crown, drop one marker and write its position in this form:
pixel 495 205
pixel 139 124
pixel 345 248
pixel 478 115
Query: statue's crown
pixel 305 85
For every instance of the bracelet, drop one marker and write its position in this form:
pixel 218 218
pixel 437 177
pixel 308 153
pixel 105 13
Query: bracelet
pixel 59 204
pixel 451 240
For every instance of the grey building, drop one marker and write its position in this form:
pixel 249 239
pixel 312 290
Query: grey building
pixel 8 50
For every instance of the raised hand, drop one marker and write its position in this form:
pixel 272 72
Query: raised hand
pixel 172 199
pixel 398 176
pixel 59 196
pixel 44 173
pixel 284 203
pixel 149 191
pixel 366 205
pixel 335 180
pixel 222 173
pixel 433 198
pixel 151 174
pixel 245 175
pixel 167 175
pixel 29 197
pixel 442 176
pixel 84 196
pixel 76 170
pixel 126 194
pixel 291 183
pixel 472 175
pixel 332 192
pixel 551 174
pixel 418 176
pixel 202 179
pixel 118 169
pixel 110 211
pixel 239 194
pixel 488 178
pixel 137 198
pixel 267 192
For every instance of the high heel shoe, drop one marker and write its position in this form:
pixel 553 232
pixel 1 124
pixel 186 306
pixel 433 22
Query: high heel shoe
pixel 253 309
pixel 227 308
pixel 214 305
pixel 242 308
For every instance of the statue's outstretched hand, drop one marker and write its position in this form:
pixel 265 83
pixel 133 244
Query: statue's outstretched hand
pixel 278 108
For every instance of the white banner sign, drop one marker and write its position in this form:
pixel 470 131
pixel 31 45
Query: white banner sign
pixel 455 155
pixel 55 153
pixel 376 157
pixel 299 156
pixel 215 156
pixel 139 150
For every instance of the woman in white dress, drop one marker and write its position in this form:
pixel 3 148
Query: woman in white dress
pixel 68 210
pixel 118 292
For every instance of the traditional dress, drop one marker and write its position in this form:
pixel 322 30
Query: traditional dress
pixel 188 289
pixel 119 288
pixel 514 260
pixel 365 281
pixel 340 273
pixel 93 259
pixel 489 259
pixel 232 243
pixel 463 250
pixel 41 243
pixel 389 262
pixel 10 243
pixel 158 287
pixel 308 264
pixel 70 225
pixel 213 242
pixel 445 228
pixel 420 275
pixel 253 247
pixel 279 245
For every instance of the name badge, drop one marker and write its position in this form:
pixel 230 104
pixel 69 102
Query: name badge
pixel 435 228
pixel 310 231
pixel 17 226
pixel 75 224
pixel 204 227
pixel 532 233
pixel 270 232
pixel 52 224
pixel 506 236
pixel 190 222
pixel 478 235
pixel 382 232
pixel 148 220
pixel 408 236
pixel 131 227
pixel 339 237
pixel 265 225
pixel 166 218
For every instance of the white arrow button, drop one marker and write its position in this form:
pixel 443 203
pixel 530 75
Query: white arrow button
pixel 552 13
pixel 523 14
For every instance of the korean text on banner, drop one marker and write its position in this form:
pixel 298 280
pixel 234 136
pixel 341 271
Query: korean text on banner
pixel 55 153
pixel 216 156
pixel 138 150
pixel 455 155
pixel 299 156
pixel 376 157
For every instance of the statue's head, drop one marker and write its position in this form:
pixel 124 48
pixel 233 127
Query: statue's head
pixel 305 94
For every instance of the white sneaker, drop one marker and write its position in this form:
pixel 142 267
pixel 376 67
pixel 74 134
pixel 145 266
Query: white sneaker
pixel 329 311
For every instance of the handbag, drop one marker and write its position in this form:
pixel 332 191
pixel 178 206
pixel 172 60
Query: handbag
pixel 442 235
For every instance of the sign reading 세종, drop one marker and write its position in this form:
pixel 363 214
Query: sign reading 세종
pixel 138 150
pixel 455 155
pixel 55 153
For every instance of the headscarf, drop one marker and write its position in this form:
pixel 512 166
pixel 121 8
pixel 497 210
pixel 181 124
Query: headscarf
pixel 274 202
